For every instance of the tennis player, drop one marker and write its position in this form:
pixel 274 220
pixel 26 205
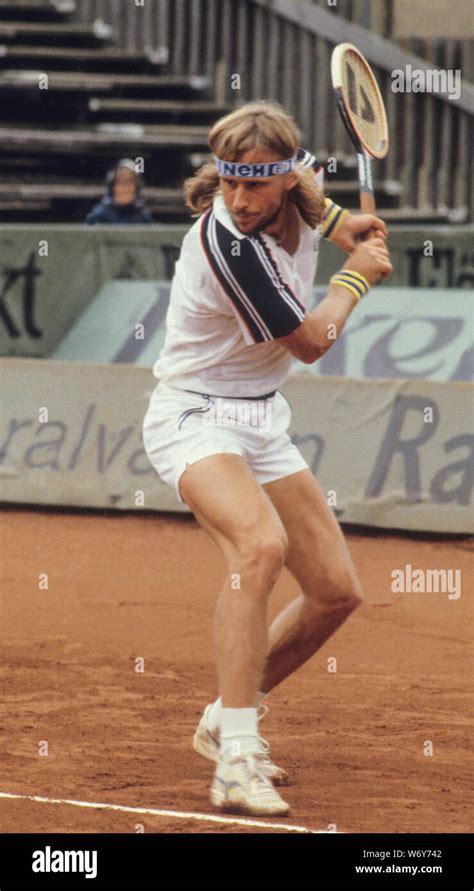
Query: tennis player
pixel 216 429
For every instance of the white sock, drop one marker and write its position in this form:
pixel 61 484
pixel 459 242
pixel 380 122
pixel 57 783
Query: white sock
pixel 239 731
pixel 214 715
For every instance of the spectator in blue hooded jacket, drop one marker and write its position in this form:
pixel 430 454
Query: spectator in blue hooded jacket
pixel 123 202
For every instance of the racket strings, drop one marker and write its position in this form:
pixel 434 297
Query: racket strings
pixel 364 103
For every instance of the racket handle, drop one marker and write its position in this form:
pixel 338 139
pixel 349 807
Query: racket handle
pixel 367 205
pixel 367 202
pixel 366 192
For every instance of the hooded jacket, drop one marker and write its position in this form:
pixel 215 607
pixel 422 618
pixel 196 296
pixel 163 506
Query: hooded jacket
pixel 107 211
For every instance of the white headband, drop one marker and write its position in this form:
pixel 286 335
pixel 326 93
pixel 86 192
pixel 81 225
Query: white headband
pixel 275 168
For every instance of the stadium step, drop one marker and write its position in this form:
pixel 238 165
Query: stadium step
pixel 142 110
pixel 41 10
pixel 65 190
pixel 389 186
pixel 55 199
pixel 102 103
pixel 120 138
pixel 417 215
pixel 346 192
pixel 165 167
pixel 54 58
pixel 76 198
pixel 62 33
pixel 162 85
pixel 64 103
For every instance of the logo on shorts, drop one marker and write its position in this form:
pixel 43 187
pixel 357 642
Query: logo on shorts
pixel 256 413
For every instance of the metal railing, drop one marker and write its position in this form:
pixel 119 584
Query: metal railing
pixel 281 50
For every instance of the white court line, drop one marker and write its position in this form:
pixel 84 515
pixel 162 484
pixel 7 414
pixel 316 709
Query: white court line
pixel 179 815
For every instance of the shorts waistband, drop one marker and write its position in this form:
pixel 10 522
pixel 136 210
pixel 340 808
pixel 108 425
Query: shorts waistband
pixel 253 398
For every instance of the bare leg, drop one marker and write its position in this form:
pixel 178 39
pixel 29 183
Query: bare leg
pixel 296 634
pixel 246 527
pixel 241 634
pixel 318 558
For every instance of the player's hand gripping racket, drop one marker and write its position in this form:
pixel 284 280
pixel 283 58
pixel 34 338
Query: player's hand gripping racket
pixel 362 110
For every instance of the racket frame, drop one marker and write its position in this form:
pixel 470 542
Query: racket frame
pixel 364 152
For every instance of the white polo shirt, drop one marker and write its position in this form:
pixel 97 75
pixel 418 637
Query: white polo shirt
pixel 232 297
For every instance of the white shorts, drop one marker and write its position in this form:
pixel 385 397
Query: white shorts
pixel 180 427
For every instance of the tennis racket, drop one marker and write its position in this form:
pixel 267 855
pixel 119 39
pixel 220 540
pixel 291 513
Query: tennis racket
pixel 362 110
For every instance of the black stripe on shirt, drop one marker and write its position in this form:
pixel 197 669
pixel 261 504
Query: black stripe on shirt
pixel 252 281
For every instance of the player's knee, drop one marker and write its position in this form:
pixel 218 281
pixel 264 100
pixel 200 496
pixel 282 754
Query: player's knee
pixel 343 592
pixel 269 551
pixel 263 555
pixel 354 597
pixel 349 593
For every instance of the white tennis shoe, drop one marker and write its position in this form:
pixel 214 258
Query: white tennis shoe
pixel 241 785
pixel 206 743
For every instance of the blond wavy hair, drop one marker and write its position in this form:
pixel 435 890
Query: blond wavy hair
pixel 256 125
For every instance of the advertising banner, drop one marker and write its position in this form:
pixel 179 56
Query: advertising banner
pixel 388 453
pixel 393 333
pixel 49 274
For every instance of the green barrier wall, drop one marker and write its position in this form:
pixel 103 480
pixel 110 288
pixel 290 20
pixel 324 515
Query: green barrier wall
pixel 49 274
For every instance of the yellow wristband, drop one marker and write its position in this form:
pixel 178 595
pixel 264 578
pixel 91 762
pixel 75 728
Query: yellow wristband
pixel 354 282
pixel 333 218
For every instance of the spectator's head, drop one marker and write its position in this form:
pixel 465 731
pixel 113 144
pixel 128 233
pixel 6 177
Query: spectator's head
pixel 124 184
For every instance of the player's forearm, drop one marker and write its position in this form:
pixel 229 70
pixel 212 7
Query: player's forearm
pixel 327 320
pixel 321 328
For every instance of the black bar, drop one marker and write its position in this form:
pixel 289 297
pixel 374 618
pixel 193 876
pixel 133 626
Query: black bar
pixel 218 861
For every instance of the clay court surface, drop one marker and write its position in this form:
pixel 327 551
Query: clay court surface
pixel 123 586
